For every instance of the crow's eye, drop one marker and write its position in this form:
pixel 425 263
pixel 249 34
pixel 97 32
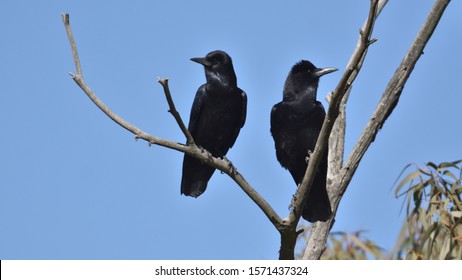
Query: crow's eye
pixel 217 59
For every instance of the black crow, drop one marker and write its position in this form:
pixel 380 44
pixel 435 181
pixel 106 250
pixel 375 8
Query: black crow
pixel 295 126
pixel 217 115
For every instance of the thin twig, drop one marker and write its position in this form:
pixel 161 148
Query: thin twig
pixel 380 7
pixel 191 149
pixel 75 55
pixel 174 112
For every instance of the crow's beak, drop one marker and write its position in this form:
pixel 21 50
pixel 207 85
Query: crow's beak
pixel 323 71
pixel 202 60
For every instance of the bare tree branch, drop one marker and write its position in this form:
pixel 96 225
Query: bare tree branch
pixel 390 97
pixel 337 143
pixel 320 231
pixel 337 95
pixel 396 85
pixel 224 165
pixel 332 113
pixel 337 136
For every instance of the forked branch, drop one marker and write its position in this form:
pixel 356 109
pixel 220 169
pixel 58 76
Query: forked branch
pixel 385 107
pixel 191 148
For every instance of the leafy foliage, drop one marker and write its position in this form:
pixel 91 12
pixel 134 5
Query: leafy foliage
pixel 351 246
pixel 348 246
pixel 433 225
pixel 433 228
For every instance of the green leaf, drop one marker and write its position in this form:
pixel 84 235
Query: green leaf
pixel 449 174
pixel 406 180
pixel 446 165
pixel 445 249
pixel 432 165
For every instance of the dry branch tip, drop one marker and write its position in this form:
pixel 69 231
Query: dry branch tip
pixel 65 17
pixel 162 81
pixel 372 41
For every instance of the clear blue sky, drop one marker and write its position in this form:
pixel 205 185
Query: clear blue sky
pixel 74 185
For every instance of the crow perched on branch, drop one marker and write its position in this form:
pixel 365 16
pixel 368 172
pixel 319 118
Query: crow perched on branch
pixel 217 115
pixel 295 125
